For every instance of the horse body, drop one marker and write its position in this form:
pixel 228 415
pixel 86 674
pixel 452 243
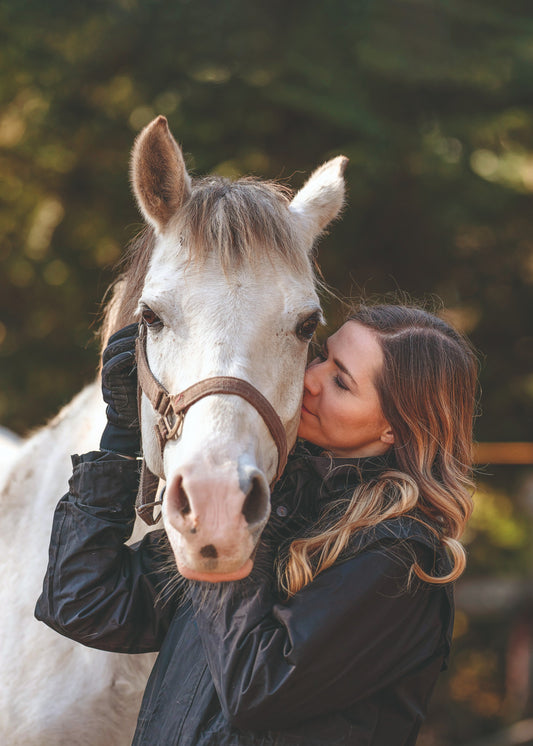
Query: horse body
pixel 9 445
pixel 55 692
pixel 224 282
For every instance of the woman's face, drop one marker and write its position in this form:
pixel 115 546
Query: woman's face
pixel 341 411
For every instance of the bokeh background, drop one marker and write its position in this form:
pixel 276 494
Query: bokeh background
pixel 432 101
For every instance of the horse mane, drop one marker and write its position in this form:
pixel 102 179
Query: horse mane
pixel 236 220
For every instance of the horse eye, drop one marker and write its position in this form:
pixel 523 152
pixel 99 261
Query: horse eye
pixel 307 328
pixel 150 318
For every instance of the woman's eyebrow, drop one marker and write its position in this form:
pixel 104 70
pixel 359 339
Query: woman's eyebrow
pixel 340 365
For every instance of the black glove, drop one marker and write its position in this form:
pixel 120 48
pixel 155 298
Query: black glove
pixel 119 389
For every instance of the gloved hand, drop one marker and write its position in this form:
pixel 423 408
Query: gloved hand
pixel 119 389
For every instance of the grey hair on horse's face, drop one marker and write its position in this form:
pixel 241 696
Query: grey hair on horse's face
pixel 224 276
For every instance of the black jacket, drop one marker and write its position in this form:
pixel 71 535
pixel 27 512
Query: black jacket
pixel 352 658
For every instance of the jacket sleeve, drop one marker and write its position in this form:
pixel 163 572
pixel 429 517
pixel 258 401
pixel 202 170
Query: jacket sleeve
pixel 97 590
pixel 353 630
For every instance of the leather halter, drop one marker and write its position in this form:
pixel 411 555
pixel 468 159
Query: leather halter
pixel 172 409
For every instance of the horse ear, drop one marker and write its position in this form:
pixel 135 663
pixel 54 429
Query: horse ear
pixel 160 180
pixel 321 199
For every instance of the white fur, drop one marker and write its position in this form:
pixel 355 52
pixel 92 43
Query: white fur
pixel 9 445
pixel 321 198
pixel 54 692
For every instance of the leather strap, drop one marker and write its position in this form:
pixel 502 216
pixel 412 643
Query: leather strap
pixel 146 496
pixel 172 409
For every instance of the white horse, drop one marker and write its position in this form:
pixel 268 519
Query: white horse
pixel 9 445
pixel 223 280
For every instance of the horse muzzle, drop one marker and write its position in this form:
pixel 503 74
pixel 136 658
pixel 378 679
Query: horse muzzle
pixel 213 517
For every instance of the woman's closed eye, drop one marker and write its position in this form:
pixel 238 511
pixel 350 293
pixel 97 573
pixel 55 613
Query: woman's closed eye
pixel 340 383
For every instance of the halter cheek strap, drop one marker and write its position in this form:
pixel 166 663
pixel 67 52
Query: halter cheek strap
pixel 172 409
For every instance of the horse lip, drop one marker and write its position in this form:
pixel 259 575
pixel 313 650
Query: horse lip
pixel 216 577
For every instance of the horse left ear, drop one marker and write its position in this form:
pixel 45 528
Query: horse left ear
pixel 321 199
pixel 158 174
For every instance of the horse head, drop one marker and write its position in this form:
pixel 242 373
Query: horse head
pixel 228 291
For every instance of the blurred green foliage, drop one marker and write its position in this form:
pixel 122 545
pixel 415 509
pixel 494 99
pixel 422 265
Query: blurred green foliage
pixel 432 102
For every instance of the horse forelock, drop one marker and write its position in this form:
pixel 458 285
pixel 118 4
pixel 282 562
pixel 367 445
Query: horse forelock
pixel 238 221
pixel 241 221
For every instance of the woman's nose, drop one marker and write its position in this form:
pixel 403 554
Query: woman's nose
pixel 312 379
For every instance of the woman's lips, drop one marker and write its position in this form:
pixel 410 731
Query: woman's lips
pixel 308 411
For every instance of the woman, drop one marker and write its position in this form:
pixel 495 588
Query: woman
pixel 339 633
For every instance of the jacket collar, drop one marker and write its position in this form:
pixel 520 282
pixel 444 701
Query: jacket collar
pixel 314 477
pixel 336 474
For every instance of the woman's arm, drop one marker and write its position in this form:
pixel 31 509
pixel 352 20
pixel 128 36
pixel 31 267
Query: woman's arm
pixel 97 590
pixel 353 630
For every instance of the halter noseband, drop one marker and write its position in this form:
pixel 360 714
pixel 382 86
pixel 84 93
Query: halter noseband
pixel 172 409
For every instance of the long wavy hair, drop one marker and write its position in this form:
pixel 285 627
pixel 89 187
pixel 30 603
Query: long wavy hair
pixel 427 391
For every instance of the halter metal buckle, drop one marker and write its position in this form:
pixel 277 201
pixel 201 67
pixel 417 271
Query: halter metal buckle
pixel 173 430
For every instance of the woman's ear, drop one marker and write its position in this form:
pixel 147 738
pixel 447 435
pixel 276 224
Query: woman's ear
pixel 387 436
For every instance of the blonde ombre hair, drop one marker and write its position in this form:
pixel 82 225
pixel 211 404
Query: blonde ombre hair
pixel 427 390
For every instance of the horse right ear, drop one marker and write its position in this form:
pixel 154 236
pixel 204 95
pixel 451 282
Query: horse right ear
pixel 160 180
pixel 321 198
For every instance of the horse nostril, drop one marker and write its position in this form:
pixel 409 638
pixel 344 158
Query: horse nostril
pixel 254 508
pixel 182 501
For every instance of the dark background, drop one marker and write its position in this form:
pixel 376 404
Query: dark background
pixel 433 104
